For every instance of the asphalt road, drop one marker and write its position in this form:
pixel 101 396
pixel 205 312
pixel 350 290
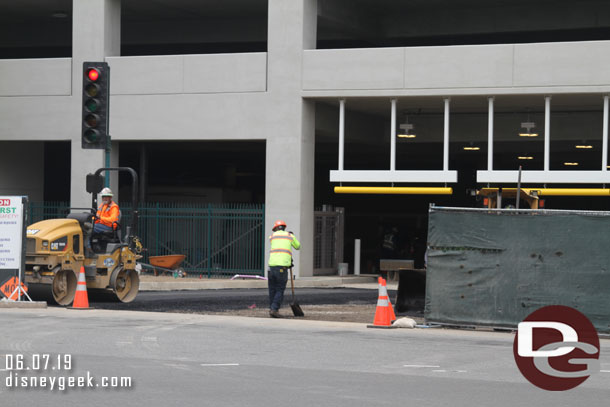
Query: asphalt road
pixel 202 360
pixel 220 300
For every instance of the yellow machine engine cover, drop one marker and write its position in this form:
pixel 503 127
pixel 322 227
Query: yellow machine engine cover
pixel 54 236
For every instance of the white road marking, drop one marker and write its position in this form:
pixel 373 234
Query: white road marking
pixel 430 366
pixel 604 371
pixel 440 371
pixel 219 364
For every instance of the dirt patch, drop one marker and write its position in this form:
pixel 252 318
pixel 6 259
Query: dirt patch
pixel 342 313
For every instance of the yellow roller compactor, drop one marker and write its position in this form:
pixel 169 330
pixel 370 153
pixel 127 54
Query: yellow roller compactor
pixel 58 248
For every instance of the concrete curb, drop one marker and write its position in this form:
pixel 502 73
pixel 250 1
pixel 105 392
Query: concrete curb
pixel 148 284
pixel 23 304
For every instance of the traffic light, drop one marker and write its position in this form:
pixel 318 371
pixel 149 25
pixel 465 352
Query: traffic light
pixel 96 98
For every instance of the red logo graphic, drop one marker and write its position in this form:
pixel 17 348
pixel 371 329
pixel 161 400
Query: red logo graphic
pixel 556 348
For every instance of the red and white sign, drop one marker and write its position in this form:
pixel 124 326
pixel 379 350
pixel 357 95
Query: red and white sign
pixel 11 232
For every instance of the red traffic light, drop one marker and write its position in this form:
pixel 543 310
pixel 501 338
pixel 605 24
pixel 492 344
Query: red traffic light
pixel 93 74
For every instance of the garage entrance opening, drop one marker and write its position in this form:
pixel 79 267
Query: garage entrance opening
pixel 367 147
pixel 196 172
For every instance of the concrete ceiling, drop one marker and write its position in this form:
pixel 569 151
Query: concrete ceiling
pixel 191 9
pixel 34 10
pixel 402 5
pixel 472 104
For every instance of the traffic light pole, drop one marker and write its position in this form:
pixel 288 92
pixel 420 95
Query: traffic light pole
pixel 108 150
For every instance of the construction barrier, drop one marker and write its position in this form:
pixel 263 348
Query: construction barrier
pixel 495 267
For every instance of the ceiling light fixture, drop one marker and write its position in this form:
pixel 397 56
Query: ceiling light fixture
pixel 584 146
pixel 472 148
pixel 406 129
pixel 59 14
pixel 528 125
pixel 570 164
pixel 525 157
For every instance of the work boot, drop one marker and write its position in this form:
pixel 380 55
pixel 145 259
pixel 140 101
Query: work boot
pixel 274 314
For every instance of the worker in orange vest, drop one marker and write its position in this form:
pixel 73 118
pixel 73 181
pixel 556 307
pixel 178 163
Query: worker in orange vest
pixel 107 213
pixel 280 261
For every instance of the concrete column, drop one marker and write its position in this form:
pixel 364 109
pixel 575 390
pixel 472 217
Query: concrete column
pixel 490 134
pixel 96 34
pixel 114 176
pixel 547 133
pixel 446 137
pixel 605 133
pixel 290 143
pixel 393 136
pixel 341 134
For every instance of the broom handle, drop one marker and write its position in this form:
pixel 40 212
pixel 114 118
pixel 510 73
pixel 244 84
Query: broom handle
pixel 292 284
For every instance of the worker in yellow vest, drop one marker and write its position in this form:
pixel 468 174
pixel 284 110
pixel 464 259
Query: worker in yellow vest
pixel 280 261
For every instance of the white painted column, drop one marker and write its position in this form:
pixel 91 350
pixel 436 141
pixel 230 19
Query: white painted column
pixel 393 137
pixel 446 137
pixel 357 257
pixel 547 132
pixel 490 134
pixel 605 135
pixel 341 133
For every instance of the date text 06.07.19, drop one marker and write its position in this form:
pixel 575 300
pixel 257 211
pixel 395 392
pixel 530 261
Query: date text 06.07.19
pixel 38 362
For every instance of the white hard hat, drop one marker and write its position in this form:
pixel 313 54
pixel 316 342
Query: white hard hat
pixel 107 192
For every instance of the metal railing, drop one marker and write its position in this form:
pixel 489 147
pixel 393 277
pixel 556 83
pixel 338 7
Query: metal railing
pixel 219 240
pixel 38 211
pixel 328 240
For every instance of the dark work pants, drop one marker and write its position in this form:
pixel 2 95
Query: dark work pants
pixel 278 277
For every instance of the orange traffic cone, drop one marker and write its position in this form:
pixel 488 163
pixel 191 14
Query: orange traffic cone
pixel 81 300
pixel 392 314
pixel 384 314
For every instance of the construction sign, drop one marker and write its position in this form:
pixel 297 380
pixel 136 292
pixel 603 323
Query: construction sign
pixel 9 288
pixel 11 232
pixel 12 240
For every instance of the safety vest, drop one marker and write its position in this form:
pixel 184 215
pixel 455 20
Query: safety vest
pixel 108 214
pixel 282 243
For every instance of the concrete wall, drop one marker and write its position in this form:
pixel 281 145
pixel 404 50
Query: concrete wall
pixel 480 69
pixel 36 77
pixel 185 74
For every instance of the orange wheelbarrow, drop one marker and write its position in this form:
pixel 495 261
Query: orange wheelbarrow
pixel 170 264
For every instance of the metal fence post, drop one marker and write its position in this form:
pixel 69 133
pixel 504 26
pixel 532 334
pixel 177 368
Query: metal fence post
pixel 157 232
pixel 263 240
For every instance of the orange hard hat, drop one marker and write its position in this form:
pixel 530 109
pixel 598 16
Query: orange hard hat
pixel 278 224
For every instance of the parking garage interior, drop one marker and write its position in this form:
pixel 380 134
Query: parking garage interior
pixel 195 171
pixel 388 23
pixel 576 120
pixel 177 27
pixel 31 29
